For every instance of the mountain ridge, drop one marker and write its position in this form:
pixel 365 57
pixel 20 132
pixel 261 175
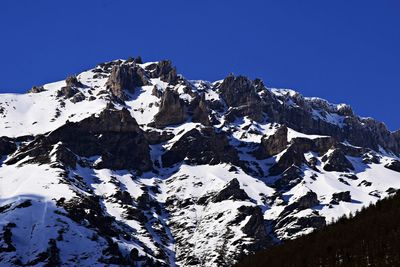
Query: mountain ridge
pixel 146 168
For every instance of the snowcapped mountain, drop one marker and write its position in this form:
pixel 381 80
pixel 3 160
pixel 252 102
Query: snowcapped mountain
pixel 131 164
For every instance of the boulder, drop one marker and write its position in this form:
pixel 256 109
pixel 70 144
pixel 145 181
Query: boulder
pixel 67 92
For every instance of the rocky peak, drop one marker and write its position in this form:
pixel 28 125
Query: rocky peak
pixel 125 77
pixel 240 94
pixel 238 91
pixel 163 70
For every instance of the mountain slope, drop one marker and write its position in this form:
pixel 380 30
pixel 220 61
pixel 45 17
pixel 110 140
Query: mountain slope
pixel 130 163
pixel 376 243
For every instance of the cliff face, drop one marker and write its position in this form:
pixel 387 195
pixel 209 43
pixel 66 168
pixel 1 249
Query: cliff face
pixel 130 163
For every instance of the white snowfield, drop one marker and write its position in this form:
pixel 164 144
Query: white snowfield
pixel 29 192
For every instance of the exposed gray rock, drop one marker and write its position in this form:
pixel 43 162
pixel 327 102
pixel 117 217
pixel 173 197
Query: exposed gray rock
pixel 7 146
pixel 78 98
pixel 172 110
pixel 201 111
pixel 156 137
pixel 240 94
pixel 125 77
pixel 156 92
pixel 72 81
pixel 394 165
pixel 36 89
pixel 309 200
pixel 163 70
pixel 291 225
pixel 113 134
pixel 255 227
pixel 320 144
pixel 67 92
pixel 231 191
pixel 370 157
pixel 203 146
pixel 292 156
pixel 340 196
pixel 289 178
pixel 273 144
pixel 337 161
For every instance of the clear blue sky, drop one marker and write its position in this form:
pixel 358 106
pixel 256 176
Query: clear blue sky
pixel 344 51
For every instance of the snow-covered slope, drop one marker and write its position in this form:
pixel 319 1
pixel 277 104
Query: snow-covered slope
pixel 132 164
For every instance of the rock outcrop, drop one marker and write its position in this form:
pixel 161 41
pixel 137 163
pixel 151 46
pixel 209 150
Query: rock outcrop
pixel 292 156
pixel 36 89
pixel 289 178
pixel 231 191
pixel 240 95
pixel 201 111
pixel 163 70
pixel 340 196
pixel 273 144
pixel 71 88
pixel 309 200
pixel 255 227
pixel 336 160
pixel 114 136
pixel 199 147
pixel 173 110
pixel 289 225
pixel 394 165
pixel 125 78
pixel 7 146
